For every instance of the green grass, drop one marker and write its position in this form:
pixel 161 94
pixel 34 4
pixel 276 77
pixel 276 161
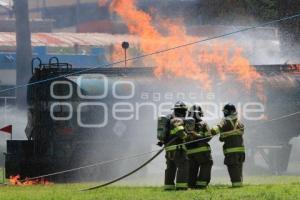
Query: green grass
pixel 288 190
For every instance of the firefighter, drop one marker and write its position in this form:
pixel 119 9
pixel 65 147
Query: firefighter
pixel 199 153
pixel 176 159
pixel 231 132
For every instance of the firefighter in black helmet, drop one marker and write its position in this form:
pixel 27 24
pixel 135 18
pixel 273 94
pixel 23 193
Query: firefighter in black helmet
pixel 231 132
pixel 199 153
pixel 176 159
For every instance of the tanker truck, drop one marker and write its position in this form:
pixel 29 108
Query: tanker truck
pixel 80 116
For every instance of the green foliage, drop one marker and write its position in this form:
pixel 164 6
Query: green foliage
pixel 263 9
pixel 240 12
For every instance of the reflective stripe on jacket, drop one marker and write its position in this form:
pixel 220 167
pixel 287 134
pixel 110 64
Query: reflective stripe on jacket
pixel 234 150
pixel 231 133
pixel 198 150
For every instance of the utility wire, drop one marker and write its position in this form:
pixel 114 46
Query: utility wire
pixel 91 165
pixel 282 117
pixel 159 152
pixel 143 56
pixel 107 162
pixel 142 154
pixel 156 52
pixel 126 175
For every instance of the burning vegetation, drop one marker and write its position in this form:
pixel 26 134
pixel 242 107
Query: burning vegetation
pixel 16 180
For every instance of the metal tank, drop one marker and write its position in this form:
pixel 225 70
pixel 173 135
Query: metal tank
pixel 101 114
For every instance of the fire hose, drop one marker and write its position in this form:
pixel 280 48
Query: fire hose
pixel 103 163
pixel 128 174
pixel 139 57
pixel 144 164
pixel 136 156
pixel 162 149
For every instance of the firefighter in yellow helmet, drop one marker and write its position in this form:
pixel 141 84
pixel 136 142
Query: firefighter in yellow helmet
pixel 176 159
pixel 199 152
pixel 231 132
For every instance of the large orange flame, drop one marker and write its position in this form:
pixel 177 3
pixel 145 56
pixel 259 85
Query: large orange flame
pixel 218 60
pixel 15 180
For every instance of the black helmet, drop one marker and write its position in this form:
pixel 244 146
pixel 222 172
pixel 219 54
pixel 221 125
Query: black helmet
pixel 179 105
pixel 196 111
pixel 229 109
pixel 180 109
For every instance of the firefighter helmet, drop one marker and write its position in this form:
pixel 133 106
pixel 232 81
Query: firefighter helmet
pixel 196 111
pixel 180 109
pixel 180 105
pixel 229 109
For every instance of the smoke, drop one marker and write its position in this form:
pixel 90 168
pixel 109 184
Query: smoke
pixel 219 59
pixel 224 63
pixel 17 120
pixel 211 74
pixel 123 138
pixel 8 116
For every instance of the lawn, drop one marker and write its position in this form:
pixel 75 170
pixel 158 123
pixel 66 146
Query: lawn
pixel 286 188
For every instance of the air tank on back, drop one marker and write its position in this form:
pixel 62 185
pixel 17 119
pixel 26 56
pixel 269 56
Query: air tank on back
pixel 78 117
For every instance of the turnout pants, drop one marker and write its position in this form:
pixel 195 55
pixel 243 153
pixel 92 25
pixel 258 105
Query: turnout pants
pixel 234 163
pixel 200 165
pixel 177 167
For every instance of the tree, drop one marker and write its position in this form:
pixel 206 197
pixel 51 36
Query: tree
pixel 250 12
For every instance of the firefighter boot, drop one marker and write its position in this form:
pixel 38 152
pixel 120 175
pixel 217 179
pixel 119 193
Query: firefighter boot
pixel 193 173
pixel 204 176
pixel 182 164
pixel 235 173
pixel 170 174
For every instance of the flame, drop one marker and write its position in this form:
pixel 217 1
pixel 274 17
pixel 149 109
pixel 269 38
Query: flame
pixel 218 60
pixel 102 3
pixel 15 180
pixel 294 68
